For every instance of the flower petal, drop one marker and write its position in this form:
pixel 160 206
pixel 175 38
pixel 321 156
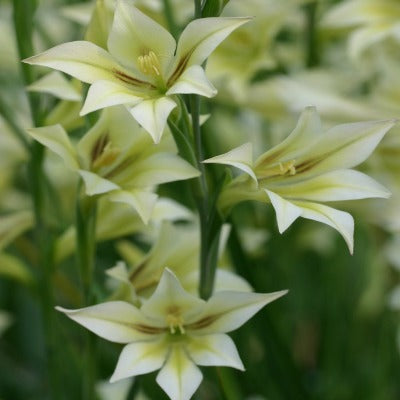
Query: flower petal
pixel 82 60
pixel 95 184
pixel 341 221
pixel 161 168
pixel 170 295
pixel 193 80
pixel 152 115
pixel 140 358
pixel 241 157
pixel 116 321
pixel 103 94
pixel 226 311
pixel 179 377
pixel 214 350
pixel 307 129
pixel 362 38
pixel 134 34
pixel 201 37
pixel 56 84
pixel 345 184
pixel 286 212
pixel 346 145
pixel 143 202
pixel 56 139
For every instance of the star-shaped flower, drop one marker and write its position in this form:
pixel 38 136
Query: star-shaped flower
pixel 144 66
pixel 116 157
pixel 173 330
pixel 307 168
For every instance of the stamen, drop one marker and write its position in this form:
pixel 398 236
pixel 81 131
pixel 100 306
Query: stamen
pixel 175 322
pixel 283 168
pixel 149 64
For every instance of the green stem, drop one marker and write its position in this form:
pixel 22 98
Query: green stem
pixel 23 12
pixel 86 210
pixel 182 142
pixel 169 15
pixel 86 242
pixel 197 9
pixel 311 37
pixel 210 224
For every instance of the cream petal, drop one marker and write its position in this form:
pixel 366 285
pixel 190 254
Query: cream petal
pixel 179 377
pixel 286 212
pixel 82 60
pixel 104 94
pixel 346 145
pixel 143 202
pixel 56 84
pixel 345 184
pixel 227 280
pixel 341 221
pixel 193 80
pixel 201 37
pixel 241 157
pixel 134 34
pixel 56 139
pixel 95 184
pixel 228 310
pixel 116 321
pixel 307 129
pixel 169 296
pixel 153 114
pixel 162 168
pixel 362 38
pixel 140 358
pixel 214 350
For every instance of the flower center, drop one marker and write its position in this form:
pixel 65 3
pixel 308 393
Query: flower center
pixel 175 321
pixel 106 157
pixel 149 64
pixel 280 169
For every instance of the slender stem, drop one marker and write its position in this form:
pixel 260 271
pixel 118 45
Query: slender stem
pixel 23 12
pixel 86 241
pixel 198 146
pixel 311 37
pixel 209 225
pixel 197 9
pixel 86 210
pixel 169 15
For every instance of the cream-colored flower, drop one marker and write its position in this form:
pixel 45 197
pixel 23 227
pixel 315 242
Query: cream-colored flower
pixel 371 21
pixel 173 331
pixel 116 157
pixel 307 168
pixel 178 247
pixel 144 67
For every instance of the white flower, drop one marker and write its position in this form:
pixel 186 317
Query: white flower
pixel 117 158
pixel 144 66
pixel 307 168
pixel 173 331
